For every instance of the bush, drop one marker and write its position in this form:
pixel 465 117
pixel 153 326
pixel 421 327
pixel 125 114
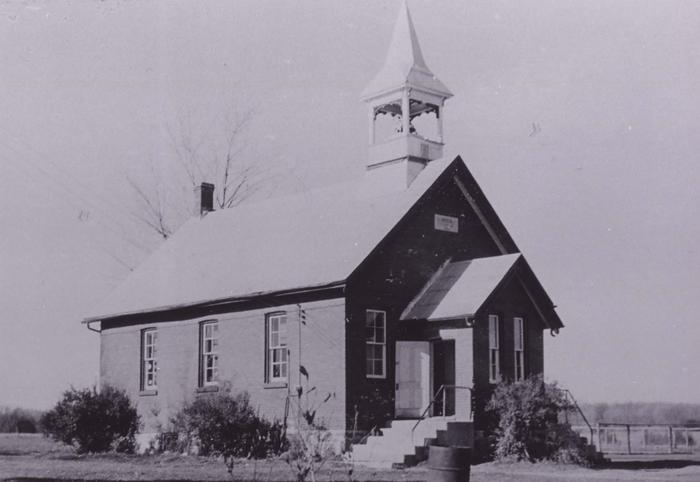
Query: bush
pixel 227 425
pixel 18 420
pixel 93 421
pixel 528 427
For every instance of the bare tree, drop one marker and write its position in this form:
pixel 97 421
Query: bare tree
pixel 211 151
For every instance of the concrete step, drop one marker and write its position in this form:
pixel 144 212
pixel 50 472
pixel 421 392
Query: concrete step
pixel 459 434
pixel 402 443
pixel 421 453
pixel 441 438
pixel 437 422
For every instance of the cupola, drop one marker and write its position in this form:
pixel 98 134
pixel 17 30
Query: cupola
pixel 405 102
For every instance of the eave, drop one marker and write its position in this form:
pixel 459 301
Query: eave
pixel 223 302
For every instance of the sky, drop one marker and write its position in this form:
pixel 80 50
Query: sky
pixel 579 119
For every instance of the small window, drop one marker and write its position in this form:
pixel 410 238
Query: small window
pixel 149 359
pixel 209 349
pixel 519 346
pixel 375 328
pixel 277 356
pixel 494 362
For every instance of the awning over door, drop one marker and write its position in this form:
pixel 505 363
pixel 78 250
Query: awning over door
pixel 460 288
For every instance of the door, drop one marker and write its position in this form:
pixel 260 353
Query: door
pixel 444 375
pixel 413 385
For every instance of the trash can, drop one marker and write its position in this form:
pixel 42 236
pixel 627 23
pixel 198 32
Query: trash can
pixel 449 464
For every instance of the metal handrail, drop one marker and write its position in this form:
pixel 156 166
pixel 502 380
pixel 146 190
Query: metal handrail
pixel 569 395
pixel 441 390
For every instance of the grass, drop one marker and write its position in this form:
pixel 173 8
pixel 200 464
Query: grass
pixel 32 458
pixel 28 444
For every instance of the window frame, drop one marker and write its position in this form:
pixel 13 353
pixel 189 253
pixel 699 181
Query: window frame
pixel 519 348
pixel 283 347
pixel 374 343
pixel 204 354
pixel 494 360
pixel 146 334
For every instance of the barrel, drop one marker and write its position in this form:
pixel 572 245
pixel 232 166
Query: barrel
pixel 449 464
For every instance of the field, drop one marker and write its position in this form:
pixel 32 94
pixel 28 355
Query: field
pixel 31 457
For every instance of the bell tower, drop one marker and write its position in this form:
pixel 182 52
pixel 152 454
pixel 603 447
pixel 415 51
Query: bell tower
pixel 405 102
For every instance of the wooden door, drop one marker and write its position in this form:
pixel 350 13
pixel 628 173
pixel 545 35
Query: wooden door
pixel 413 378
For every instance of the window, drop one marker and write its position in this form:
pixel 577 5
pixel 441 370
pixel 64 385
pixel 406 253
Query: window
pixel 149 360
pixel 276 348
pixel 519 342
pixel 375 328
pixel 494 362
pixel 209 349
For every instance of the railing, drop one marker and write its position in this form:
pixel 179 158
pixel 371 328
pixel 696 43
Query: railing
pixel 442 391
pixel 569 397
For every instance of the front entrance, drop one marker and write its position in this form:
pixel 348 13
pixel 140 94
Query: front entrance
pixel 444 375
pixel 422 367
pixel 413 378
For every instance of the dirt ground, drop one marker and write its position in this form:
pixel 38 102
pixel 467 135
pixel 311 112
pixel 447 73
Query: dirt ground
pixel 33 457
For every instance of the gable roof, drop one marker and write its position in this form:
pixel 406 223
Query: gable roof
pixel 304 240
pixel 461 288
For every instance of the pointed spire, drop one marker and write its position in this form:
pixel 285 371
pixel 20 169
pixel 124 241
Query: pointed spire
pixel 404 47
pixel 404 64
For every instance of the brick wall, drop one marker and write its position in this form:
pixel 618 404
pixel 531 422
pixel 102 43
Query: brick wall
pixel 241 361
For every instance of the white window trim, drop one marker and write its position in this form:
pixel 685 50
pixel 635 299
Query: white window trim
pixel 382 344
pixel 519 348
pixel 149 339
pixel 205 354
pixel 269 347
pixel 494 349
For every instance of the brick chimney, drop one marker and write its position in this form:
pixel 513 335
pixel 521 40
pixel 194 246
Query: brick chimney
pixel 203 199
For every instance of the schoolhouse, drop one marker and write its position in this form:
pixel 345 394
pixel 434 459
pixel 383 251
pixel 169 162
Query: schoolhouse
pixel 401 293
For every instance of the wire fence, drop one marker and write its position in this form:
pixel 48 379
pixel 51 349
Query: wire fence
pixel 619 438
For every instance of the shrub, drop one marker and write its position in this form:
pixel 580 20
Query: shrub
pixel 26 425
pixel 373 410
pixel 18 420
pixel 93 421
pixel 528 428
pixel 227 425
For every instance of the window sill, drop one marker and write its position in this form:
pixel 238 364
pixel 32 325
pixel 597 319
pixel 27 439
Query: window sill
pixel 148 393
pixel 208 389
pixel 275 385
pixel 376 377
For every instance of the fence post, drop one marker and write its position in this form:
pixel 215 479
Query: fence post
pixel 600 445
pixel 629 441
pixel 670 439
